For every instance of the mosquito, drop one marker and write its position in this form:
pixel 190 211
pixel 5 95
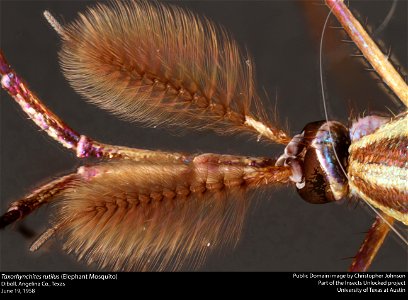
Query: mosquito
pixel 268 155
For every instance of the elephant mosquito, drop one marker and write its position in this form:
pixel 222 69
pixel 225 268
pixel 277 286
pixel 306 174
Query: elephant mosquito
pixel 278 237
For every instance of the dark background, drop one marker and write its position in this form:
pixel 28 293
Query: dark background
pixel 283 233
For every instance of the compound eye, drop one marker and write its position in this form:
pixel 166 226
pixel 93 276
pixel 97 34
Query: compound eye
pixel 325 162
pixel 316 189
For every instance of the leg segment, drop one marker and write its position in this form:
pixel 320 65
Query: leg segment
pixel 61 132
pixel 372 243
pixel 370 50
pixel 44 194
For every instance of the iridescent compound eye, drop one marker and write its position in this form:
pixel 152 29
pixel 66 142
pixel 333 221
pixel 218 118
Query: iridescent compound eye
pixel 324 162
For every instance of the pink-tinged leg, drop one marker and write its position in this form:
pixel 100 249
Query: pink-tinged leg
pixel 372 243
pixel 21 208
pixel 33 107
pixel 370 50
pixel 61 132
pixel 44 194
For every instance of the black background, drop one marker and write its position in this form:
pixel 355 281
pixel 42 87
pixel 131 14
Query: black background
pixel 283 233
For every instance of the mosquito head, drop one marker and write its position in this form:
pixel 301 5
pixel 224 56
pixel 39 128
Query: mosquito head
pixel 318 157
pixel 324 162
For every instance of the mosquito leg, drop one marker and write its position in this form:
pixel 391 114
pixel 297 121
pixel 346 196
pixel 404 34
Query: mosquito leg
pixel 33 107
pixel 372 243
pixel 46 193
pixel 61 132
pixel 21 208
pixel 370 50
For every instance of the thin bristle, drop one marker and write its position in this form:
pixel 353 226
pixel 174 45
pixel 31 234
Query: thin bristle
pixel 161 65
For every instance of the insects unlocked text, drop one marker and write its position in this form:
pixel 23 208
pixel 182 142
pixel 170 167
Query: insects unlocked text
pixel 359 283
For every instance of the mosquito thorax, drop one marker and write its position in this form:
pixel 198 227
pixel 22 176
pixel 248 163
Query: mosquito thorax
pixel 318 157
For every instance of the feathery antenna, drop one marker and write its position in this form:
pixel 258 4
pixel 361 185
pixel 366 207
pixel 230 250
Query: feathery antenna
pixel 161 65
pixel 146 216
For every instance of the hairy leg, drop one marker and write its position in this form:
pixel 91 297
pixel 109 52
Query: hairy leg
pixel 44 194
pixel 369 49
pixel 82 145
pixel 372 243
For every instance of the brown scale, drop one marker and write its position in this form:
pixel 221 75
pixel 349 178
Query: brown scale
pixel 391 152
pixel 388 197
